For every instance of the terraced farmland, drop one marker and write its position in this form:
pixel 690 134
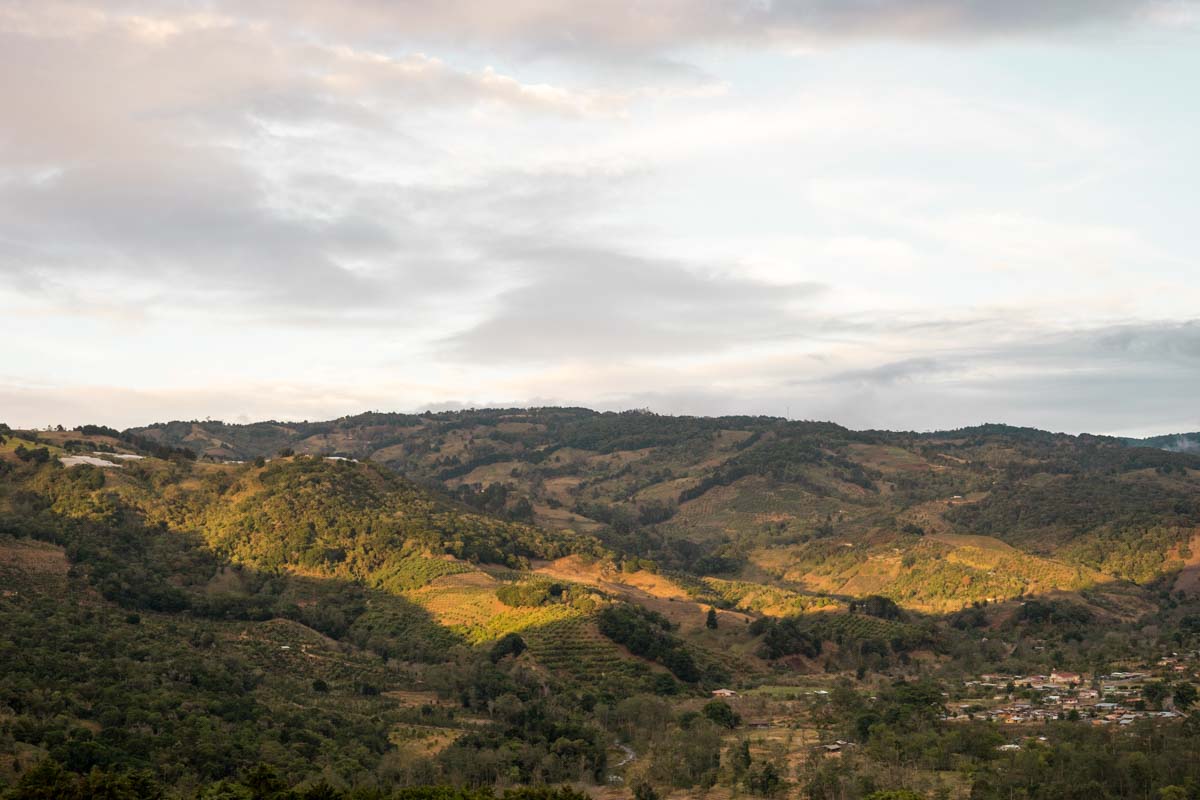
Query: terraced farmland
pixel 575 648
pixel 838 627
pixel 768 600
pixel 415 571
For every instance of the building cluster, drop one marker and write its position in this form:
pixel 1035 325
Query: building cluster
pixel 1115 698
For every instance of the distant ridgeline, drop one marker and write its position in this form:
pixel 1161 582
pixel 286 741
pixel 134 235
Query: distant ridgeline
pixel 715 495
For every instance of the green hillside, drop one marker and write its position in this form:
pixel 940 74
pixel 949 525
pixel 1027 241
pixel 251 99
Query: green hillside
pixel 819 507
pixel 494 599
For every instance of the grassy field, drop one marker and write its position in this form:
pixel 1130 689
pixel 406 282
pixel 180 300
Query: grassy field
pixel 466 603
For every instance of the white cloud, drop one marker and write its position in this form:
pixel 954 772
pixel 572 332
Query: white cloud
pixel 606 204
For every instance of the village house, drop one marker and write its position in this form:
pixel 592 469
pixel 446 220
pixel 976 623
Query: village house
pixel 1060 676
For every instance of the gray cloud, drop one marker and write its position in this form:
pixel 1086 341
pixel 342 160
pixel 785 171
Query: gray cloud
pixel 134 153
pixel 580 302
pixel 893 372
pixel 1075 382
pixel 930 18
pixel 1110 379
pixel 1117 349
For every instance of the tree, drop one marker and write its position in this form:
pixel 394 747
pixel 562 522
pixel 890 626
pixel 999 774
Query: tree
pixel 227 790
pixel 47 781
pixel 38 455
pixel 644 791
pixel 510 644
pixel 876 606
pixel 522 510
pixel 718 711
pixel 711 620
pixel 739 757
pixel 1185 696
pixel 764 779
pixel 1155 692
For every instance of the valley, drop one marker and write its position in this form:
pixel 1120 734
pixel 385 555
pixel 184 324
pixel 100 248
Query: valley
pixel 624 603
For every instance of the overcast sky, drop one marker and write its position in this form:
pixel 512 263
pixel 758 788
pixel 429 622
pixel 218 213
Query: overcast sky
pixel 889 213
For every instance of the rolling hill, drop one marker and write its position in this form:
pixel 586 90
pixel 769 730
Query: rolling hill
pixel 810 507
pixel 486 597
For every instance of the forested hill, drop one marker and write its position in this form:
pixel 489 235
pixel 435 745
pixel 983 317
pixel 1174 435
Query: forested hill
pixel 167 623
pixel 811 504
pixel 370 433
pixel 329 516
pixel 495 599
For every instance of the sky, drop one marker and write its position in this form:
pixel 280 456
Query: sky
pixel 905 214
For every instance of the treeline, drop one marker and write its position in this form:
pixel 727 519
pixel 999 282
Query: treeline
pixel 635 430
pixel 1072 505
pixel 864 643
pixel 140 443
pixel 625 519
pixel 140 693
pixel 1055 453
pixel 647 634
pixel 1138 555
pixel 496 499
pixel 50 781
pixel 789 636
pixel 542 593
pixel 787 459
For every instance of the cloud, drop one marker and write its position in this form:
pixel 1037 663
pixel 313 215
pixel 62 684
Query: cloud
pixel 161 151
pixel 348 191
pixel 628 26
pixel 1120 379
pixel 893 372
pixel 578 302
pixel 1106 379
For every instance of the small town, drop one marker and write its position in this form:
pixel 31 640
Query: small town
pixel 1114 698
